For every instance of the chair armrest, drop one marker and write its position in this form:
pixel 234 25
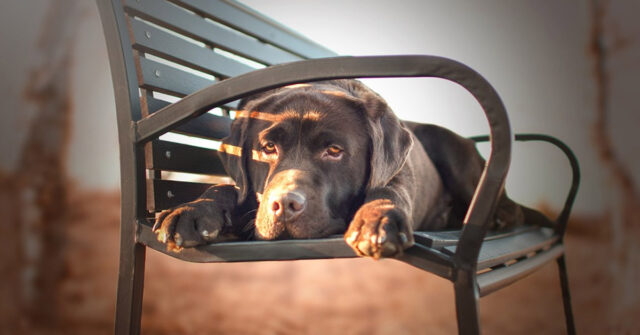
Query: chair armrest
pixel 492 181
pixel 563 217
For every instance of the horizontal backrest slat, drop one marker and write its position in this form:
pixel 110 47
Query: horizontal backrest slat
pixel 155 105
pixel 166 79
pixel 170 156
pixel 206 125
pixel 164 194
pixel 194 26
pixel 251 23
pixel 163 44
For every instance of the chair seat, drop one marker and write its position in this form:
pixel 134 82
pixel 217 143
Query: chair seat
pixel 242 251
pixel 505 256
pixel 498 248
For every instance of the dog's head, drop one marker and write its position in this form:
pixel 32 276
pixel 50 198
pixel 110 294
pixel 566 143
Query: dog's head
pixel 310 152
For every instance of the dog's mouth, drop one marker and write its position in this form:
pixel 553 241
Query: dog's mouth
pixel 300 229
pixel 294 215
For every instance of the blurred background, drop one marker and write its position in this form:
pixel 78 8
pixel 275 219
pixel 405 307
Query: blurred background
pixel 567 69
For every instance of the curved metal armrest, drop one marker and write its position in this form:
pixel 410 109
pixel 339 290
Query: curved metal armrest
pixel 492 180
pixel 563 217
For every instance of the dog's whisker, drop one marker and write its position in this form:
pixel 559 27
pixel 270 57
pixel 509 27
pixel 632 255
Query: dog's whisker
pixel 249 213
pixel 249 226
pixel 248 229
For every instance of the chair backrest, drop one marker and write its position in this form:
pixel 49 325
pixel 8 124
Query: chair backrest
pixel 147 46
pixel 174 48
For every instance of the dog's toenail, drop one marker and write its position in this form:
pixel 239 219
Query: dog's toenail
pixel 403 238
pixel 352 237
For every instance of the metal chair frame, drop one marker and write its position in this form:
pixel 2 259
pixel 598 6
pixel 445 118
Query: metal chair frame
pixel 457 256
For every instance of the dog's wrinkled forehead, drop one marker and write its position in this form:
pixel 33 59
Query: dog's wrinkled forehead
pixel 311 101
pixel 304 106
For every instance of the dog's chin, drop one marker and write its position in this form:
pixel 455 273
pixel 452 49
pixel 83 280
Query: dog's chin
pixel 266 229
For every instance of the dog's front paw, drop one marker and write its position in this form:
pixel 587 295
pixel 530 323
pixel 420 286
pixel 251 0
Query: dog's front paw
pixel 379 229
pixel 191 224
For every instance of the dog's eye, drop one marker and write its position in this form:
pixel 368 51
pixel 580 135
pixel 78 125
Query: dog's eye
pixel 269 148
pixel 334 151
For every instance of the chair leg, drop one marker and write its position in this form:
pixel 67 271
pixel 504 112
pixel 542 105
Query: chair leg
pixel 566 297
pixel 467 303
pixel 130 287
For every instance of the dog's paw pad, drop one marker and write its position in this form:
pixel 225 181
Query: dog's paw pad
pixel 379 230
pixel 192 224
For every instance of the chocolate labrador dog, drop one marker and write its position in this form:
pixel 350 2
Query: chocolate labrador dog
pixel 312 160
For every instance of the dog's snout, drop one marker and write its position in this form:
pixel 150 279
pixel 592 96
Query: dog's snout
pixel 288 206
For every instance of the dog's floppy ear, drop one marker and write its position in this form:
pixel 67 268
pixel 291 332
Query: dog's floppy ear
pixel 390 140
pixel 234 153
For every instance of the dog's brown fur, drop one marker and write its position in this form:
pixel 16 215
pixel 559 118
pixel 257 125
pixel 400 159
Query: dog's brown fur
pixel 318 159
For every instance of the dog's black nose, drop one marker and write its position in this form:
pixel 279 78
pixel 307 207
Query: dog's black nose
pixel 288 206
